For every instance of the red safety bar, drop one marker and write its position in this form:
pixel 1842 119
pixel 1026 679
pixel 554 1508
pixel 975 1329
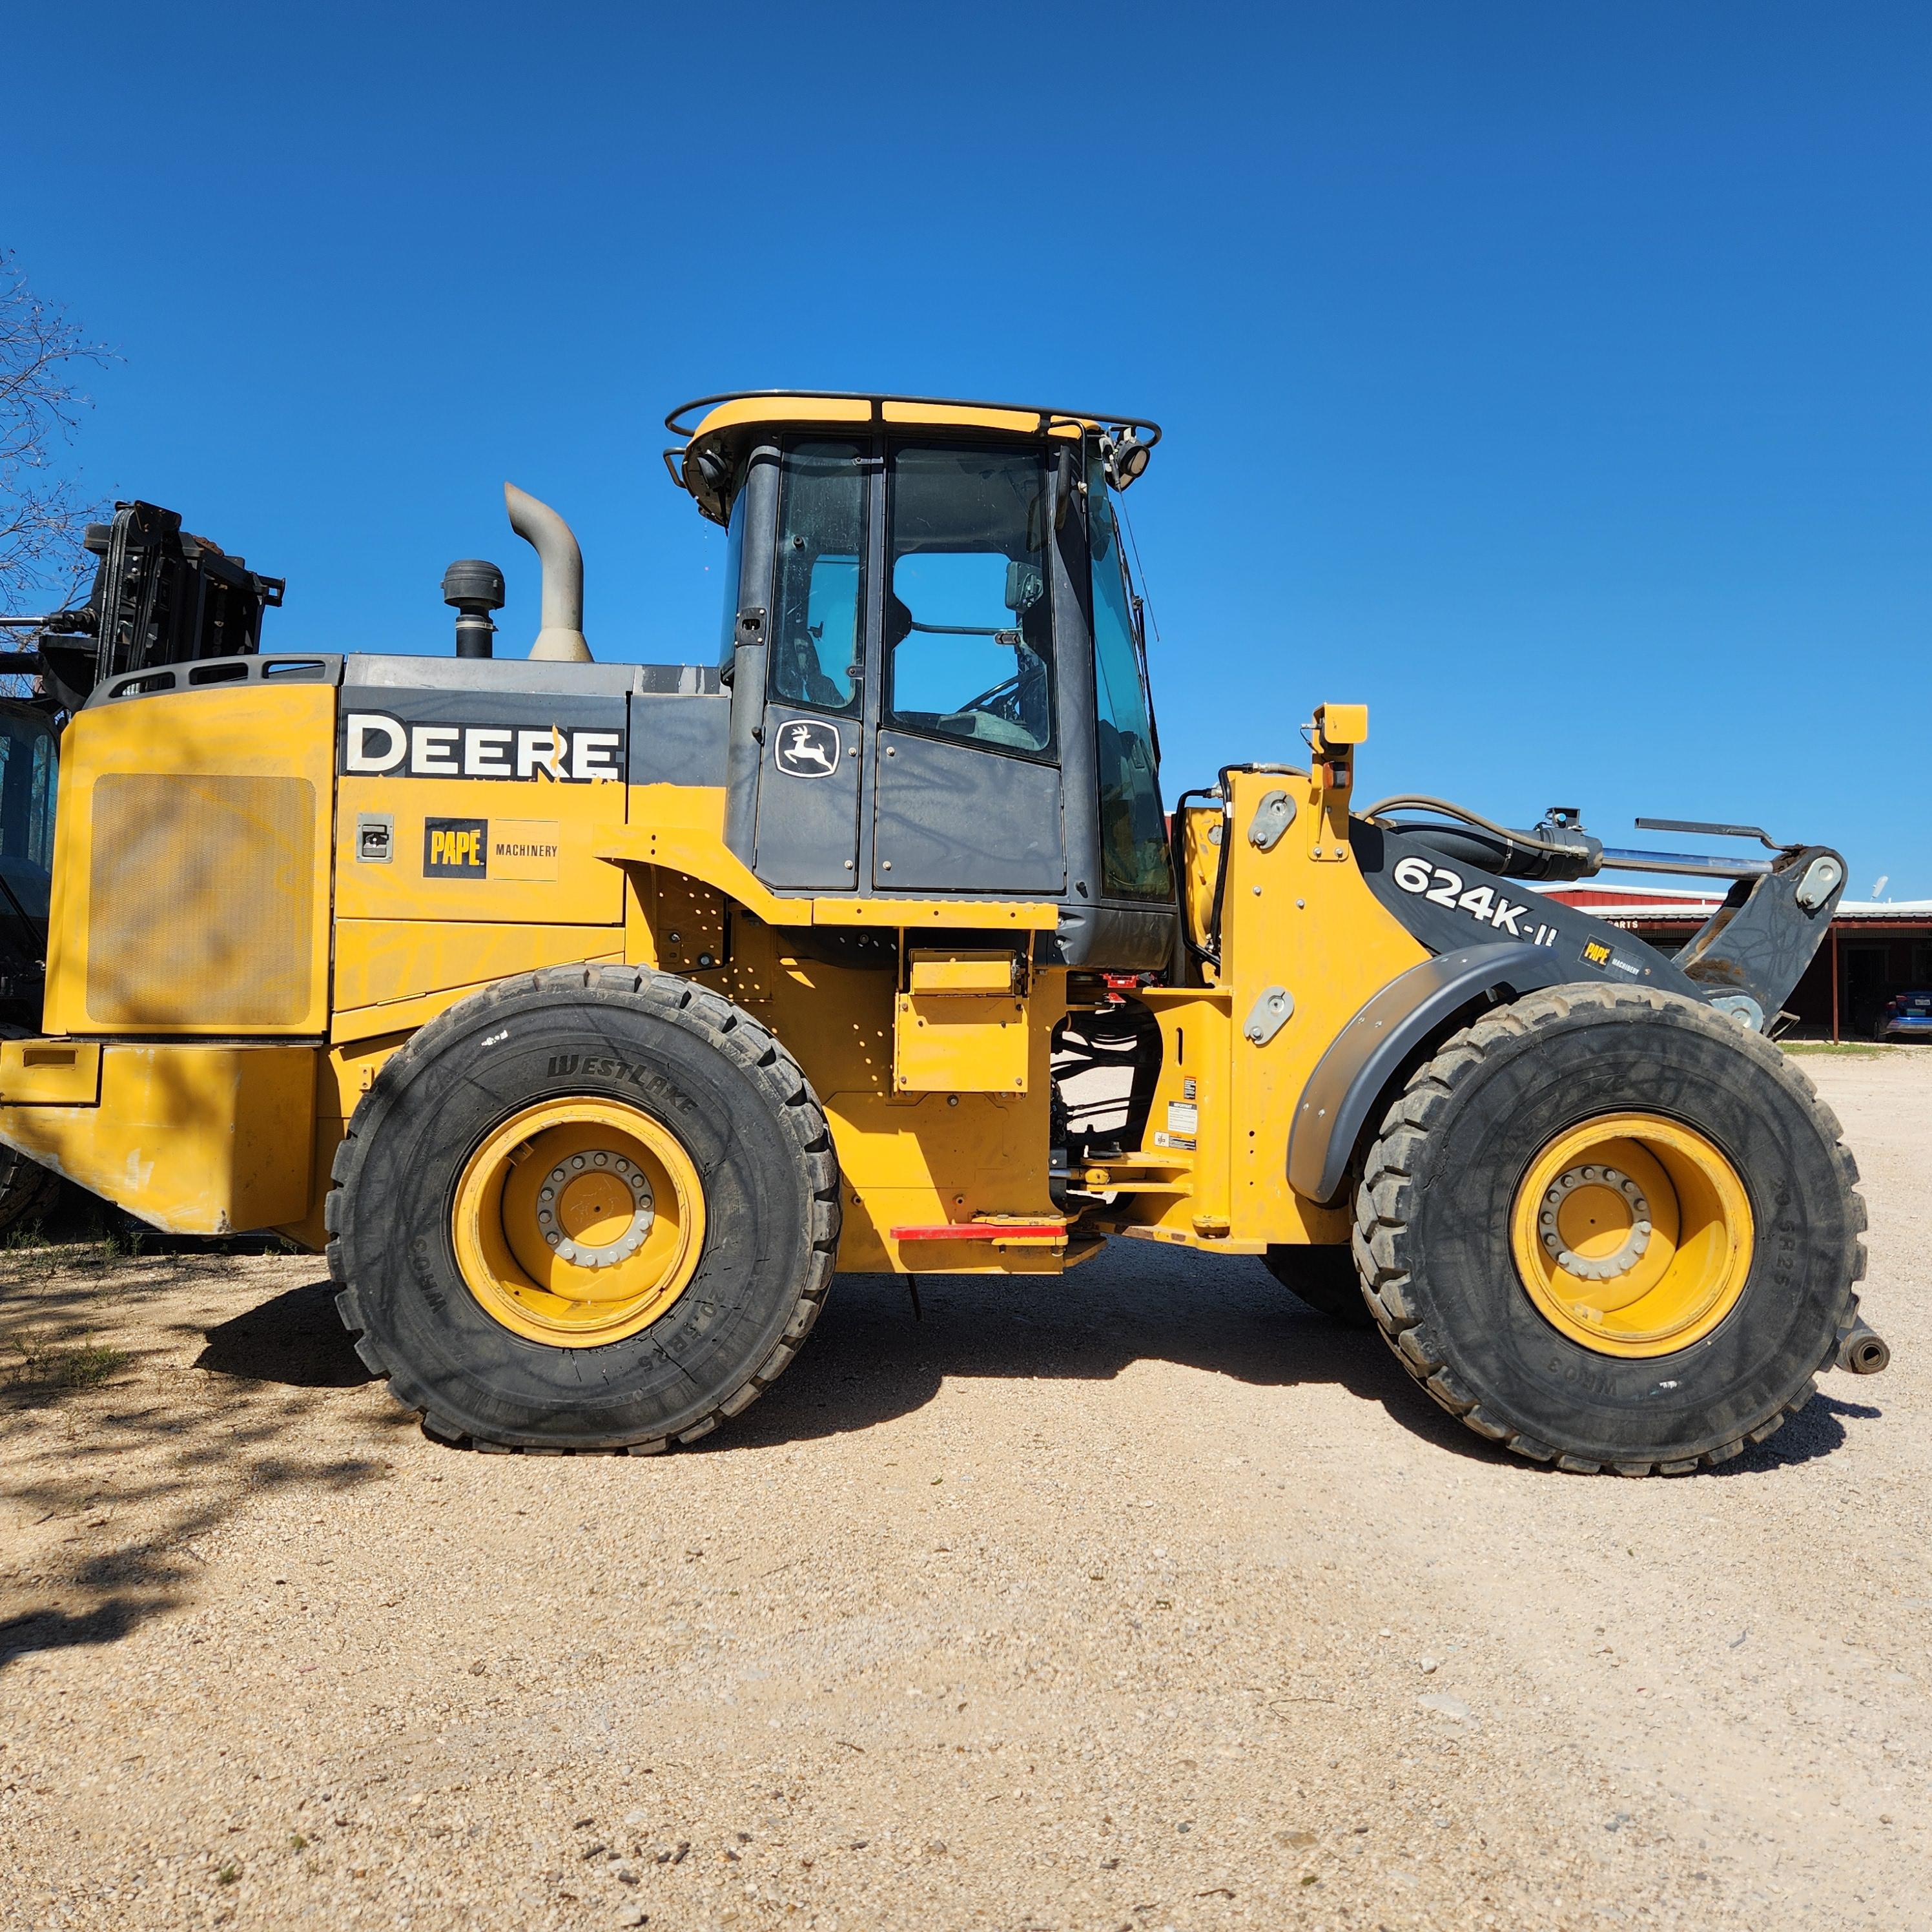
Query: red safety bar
pixel 982 1231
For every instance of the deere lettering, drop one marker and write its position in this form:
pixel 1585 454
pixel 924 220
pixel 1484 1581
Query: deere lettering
pixel 375 743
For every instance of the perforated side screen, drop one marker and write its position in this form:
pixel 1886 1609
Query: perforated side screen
pixel 201 893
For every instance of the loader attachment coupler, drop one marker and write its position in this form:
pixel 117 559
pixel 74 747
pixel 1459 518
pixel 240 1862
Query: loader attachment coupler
pixel 1749 954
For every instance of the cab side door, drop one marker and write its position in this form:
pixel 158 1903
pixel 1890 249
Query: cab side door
pixel 967 777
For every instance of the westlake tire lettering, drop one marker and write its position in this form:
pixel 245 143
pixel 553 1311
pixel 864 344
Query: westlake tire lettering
pixel 563 1066
pixel 375 744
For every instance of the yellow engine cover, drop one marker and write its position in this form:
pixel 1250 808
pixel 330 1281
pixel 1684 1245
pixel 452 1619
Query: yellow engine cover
pixel 192 864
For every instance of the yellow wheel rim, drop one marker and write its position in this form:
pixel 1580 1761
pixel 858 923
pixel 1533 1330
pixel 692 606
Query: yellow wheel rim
pixel 578 1221
pixel 1632 1235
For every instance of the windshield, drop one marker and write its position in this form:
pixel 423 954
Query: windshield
pixel 1134 858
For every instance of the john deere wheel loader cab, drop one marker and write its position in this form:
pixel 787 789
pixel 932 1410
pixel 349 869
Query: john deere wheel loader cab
pixel 593 1015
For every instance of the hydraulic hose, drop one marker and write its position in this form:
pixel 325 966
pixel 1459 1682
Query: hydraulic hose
pixel 1177 845
pixel 1497 848
pixel 1582 860
pixel 1527 841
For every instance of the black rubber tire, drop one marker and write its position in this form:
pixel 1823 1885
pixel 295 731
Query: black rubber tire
pixel 28 1190
pixel 1432 1232
pixel 743 1110
pixel 1325 1278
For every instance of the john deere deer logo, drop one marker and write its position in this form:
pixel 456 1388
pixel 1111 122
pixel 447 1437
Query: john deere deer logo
pixel 807 749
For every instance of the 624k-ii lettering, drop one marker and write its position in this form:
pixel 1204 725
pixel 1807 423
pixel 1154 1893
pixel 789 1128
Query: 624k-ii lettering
pixel 1440 886
pixel 604 1093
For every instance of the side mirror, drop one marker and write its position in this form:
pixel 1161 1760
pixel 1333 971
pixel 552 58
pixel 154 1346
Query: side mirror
pixel 748 635
pixel 1025 587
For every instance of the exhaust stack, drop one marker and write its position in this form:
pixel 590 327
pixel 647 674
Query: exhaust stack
pixel 561 638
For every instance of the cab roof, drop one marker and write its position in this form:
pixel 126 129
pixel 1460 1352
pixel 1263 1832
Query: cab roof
pixel 706 462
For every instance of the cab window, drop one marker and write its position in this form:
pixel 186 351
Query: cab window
pixel 969 615
pixel 1135 862
pixel 28 768
pixel 818 626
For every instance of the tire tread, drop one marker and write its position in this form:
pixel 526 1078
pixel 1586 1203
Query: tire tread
pixel 729 1029
pixel 1384 1195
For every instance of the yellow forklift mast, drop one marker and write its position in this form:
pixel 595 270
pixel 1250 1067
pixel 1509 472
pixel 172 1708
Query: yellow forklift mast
pixel 591 1016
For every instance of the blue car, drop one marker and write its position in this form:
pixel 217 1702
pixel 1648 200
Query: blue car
pixel 1905 1016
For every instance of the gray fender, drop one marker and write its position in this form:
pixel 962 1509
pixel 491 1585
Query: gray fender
pixel 1351 1076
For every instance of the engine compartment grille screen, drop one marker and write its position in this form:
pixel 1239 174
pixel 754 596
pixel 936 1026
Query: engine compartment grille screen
pixel 201 894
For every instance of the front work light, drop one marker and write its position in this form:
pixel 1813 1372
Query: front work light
pixel 1126 456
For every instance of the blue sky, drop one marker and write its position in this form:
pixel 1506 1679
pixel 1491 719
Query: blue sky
pixel 1552 376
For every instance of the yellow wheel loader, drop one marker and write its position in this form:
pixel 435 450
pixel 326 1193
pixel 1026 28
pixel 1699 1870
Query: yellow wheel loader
pixel 593 1016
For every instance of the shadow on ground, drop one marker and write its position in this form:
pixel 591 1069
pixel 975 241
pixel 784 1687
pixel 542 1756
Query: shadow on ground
pixel 132 1426
pixel 295 1338
pixel 1816 1430
pixel 870 1359
pixel 113 1485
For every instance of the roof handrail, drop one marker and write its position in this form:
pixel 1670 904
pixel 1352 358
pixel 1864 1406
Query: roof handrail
pixel 1048 417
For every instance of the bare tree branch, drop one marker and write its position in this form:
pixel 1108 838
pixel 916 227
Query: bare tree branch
pixel 43 512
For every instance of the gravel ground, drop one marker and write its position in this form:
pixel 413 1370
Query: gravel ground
pixel 1140 1600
